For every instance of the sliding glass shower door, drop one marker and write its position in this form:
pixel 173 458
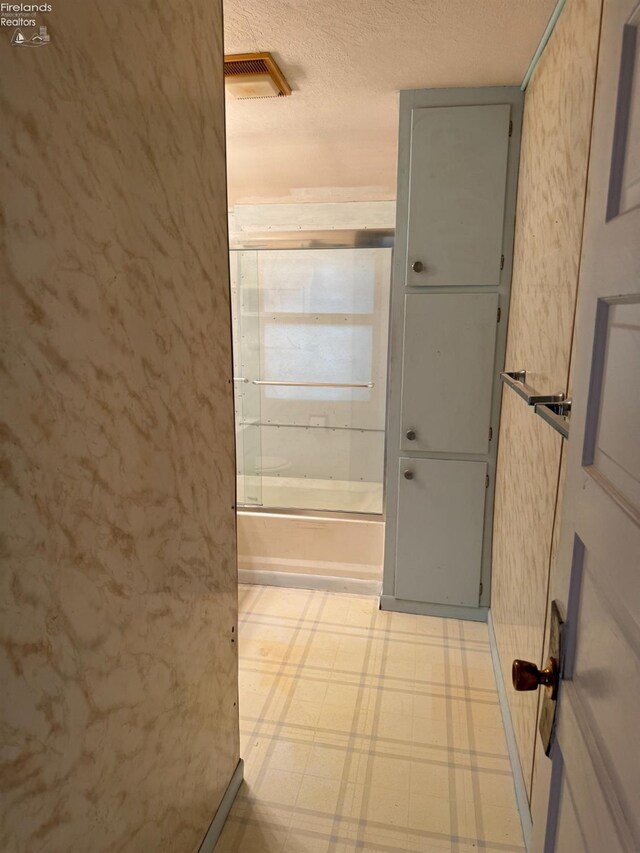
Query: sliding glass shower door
pixel 310 335
pixel 245 320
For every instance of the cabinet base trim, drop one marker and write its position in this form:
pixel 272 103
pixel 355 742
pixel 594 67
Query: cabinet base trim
pixel 447 611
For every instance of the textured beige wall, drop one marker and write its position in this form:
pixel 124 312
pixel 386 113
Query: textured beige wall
pixel 117 663
pixel 551 191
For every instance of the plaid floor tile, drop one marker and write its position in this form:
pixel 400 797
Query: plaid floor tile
pixel 366 731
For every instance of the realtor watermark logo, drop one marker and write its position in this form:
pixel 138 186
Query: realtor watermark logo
pixel 22 18
pixel 41 37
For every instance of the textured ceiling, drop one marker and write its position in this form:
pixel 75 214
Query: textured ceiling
pixel 346 60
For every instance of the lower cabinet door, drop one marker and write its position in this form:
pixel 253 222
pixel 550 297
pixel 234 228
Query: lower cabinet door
pixel 440 530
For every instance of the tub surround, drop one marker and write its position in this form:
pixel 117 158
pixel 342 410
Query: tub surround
pixel 314 551
pixel 118 655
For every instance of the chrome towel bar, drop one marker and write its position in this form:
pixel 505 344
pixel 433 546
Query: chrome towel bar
pixel 314 384
pixel 517 380
pixel 552 408
pixel 556 415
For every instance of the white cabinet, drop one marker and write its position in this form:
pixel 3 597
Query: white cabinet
pixel 440 505
pixel 447 371
pixel 457 173
pixel 456 195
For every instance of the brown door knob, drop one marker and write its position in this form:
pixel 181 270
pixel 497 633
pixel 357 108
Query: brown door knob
pixel 526 676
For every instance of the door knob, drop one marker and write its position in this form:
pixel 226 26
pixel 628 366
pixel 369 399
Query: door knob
pixel 408 475
pixel 526 676
pixel 417 266
pixel 411 435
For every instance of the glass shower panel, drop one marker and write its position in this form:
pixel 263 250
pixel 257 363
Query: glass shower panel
pixel 245 310
pixel 314 280
pixel 320 352
pixel 320 372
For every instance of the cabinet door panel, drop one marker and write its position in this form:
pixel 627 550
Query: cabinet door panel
pixel 457 194
pixel 440 531
pixel 448 371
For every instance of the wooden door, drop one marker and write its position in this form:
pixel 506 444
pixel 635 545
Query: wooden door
pixel 593 802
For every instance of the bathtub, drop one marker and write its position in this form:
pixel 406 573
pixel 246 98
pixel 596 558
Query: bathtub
pixel 338 553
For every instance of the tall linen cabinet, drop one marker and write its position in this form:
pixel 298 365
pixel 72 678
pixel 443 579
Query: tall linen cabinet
pixel 457 176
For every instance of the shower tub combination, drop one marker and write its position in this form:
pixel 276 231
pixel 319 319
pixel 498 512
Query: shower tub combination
pixel 310 325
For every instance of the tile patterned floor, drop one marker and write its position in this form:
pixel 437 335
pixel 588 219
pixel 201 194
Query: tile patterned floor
pixel 366 731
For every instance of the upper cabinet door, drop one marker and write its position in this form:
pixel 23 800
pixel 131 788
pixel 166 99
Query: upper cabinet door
pixel 457 195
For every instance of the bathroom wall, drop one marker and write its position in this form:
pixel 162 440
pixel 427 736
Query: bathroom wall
pixel 118 661
pixel 551 196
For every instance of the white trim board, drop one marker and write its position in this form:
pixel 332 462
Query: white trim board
pixel 248 219
pixel 298 580
pixel 217 824
pixel 546 35
pixel 522 800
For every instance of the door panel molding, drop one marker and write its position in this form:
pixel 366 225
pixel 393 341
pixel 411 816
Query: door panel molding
pixel 589 761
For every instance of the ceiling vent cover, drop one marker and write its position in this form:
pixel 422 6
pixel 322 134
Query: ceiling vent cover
pixel 254 75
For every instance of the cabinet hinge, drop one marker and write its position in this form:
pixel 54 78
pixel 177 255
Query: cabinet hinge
pixel 501 262
pixel 510 128
pixel 486 482
pixel 499 314
pixel 481 589
pixel 490 433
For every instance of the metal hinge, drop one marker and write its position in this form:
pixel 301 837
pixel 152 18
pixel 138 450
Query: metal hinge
pixel 499 314
pixel 480 589
pixel 486 482
pixel 490 433
pixel 501 262
pixel 510 128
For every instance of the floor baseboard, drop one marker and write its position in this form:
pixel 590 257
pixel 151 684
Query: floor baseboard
pixel 213 833
pixel 299 580
pixel 522 799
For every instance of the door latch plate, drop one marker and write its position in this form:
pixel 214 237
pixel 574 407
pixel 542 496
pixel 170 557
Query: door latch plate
pixel 546 726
